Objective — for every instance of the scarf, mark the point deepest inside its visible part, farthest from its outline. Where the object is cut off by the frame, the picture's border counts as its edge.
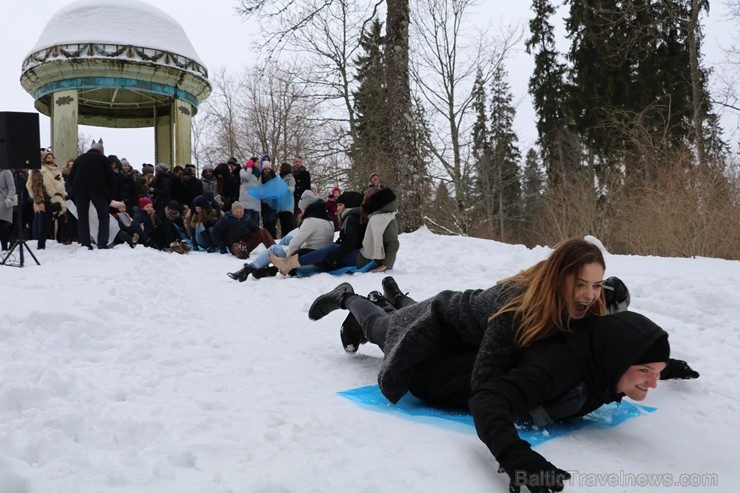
(372, 243)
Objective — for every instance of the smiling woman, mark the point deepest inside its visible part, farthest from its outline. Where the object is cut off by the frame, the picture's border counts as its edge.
(552, 379)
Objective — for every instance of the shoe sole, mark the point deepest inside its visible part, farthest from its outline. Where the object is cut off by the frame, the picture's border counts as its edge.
(348, 334)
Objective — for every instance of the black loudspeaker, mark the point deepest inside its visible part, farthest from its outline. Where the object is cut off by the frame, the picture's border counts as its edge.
(19, 140)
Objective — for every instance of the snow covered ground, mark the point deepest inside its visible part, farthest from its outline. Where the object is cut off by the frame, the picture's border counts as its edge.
(140, 371)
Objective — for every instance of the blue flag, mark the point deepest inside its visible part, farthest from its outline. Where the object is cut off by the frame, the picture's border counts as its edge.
(274, 193)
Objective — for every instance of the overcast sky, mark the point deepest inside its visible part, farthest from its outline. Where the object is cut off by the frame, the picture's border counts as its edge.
(221, 38)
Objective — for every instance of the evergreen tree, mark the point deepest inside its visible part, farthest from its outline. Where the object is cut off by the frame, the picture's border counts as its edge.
(502, 175)
(532, 189)
(630, 77)
(547, 88)
(371, 148)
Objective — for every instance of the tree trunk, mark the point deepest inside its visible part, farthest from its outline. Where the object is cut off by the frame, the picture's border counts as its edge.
(409, 165)
(692, 30)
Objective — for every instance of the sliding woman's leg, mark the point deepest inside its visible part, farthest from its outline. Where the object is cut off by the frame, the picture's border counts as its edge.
(373, 319)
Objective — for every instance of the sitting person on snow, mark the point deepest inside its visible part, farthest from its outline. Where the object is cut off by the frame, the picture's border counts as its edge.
(237, 233)
(200, 220)
(381, 234)
(155, 232)
(344, 251)
(316, 231)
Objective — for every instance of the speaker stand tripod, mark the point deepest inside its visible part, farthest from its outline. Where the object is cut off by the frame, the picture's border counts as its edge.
(19, 243)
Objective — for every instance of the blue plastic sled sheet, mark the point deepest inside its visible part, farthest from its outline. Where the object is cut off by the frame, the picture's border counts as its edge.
(410, 407)
(351, 269)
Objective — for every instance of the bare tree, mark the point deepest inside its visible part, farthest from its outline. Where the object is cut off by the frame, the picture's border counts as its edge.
(448, 54)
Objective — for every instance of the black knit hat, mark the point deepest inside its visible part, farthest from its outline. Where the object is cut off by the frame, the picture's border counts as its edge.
(659, 351)
(350, 199)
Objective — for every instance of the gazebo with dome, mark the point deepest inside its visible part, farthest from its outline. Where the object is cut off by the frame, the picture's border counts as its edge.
(117, 63)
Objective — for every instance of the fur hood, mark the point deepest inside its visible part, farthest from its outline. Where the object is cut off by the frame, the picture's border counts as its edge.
(381, 200)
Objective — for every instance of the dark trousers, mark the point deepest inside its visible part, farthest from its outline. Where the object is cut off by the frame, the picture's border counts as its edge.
(82, 201)
(372, 318)
(286, 222)
(261, 236)
(6, 234)
(443, 379)
(42, 225)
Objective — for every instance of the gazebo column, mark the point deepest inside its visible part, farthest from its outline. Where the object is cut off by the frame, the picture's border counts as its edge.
(163, 139)
(183, 112)
(64, 121)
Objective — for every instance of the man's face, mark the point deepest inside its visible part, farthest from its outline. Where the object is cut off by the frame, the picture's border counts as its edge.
(639, 379)
(238, 213)
(298, 162)
(375, 180)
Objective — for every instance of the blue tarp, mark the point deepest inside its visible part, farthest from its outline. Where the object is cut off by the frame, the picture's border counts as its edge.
(410, 407)
(274, 193)
(350, 269)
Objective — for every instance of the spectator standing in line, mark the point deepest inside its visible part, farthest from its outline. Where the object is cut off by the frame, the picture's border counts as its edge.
(92, 182)
(285, 216)
(302, 181)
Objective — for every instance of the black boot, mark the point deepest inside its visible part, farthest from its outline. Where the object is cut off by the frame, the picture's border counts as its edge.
(391, 291)
(328, 302)
(351, 334)
(269, 271)
(242, 274)
(381, 301)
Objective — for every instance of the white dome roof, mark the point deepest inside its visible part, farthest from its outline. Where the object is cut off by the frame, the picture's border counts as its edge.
(121, 22)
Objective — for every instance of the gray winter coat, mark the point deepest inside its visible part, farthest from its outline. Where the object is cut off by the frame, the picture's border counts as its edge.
(7, 191)
(446, 321)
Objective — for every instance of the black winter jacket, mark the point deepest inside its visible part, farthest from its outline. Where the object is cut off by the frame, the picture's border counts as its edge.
(596, 355)
(351, 233)
(91, 175)
(229, 230)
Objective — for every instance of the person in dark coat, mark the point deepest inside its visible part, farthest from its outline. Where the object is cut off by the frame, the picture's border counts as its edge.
(192, 186)
(237, 233)
(302, 181)
(154, 230)
(163, 187)
(92, 181)
(129, 189)
(200, 219)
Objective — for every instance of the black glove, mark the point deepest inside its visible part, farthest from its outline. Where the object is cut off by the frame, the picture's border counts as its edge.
(55, 208)
(616, 294)
(678, 370)
(527, 468)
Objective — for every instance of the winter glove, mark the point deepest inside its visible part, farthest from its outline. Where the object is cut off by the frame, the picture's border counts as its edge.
(616, 294)
(56, 208)
(678, 370)
(8, 202)
(527, 468)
